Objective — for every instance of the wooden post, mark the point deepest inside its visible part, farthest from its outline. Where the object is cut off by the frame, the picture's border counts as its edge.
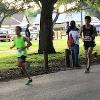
(66, 57)
(61, 35)
(57, 35)
(46, 60)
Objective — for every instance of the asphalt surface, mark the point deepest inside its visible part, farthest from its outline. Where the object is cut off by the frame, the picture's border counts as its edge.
(66, 85)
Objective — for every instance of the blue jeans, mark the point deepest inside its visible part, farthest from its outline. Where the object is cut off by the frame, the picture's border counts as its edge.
(75, 54)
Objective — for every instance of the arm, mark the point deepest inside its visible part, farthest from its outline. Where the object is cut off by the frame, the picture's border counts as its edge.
(68, 30)
(28, 43)
(12, 46)
(95, 32)
(81, 33)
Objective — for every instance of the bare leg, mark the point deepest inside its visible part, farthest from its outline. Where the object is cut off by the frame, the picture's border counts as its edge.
(89, 57)
(22, 65)
(86, 53)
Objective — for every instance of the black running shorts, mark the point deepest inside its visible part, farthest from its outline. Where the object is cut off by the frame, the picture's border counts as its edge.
(23, 58)
(88, 44)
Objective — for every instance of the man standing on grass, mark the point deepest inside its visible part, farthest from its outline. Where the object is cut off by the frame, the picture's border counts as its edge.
(19, 43)
(88, 33)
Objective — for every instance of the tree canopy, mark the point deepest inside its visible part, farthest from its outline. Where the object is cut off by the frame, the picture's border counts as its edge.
(10, 7)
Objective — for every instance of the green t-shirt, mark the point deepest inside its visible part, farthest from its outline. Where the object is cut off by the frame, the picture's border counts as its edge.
(20, 43)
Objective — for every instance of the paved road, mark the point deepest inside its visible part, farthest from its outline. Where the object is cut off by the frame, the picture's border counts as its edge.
(67, 85)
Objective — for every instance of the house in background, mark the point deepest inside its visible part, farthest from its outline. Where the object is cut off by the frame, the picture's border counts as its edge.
(62, 19)
(22, 20)
(15, 20)
(67, 17)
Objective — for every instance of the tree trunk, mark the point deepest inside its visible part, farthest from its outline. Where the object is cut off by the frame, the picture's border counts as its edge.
(2, 21)
(46, 27)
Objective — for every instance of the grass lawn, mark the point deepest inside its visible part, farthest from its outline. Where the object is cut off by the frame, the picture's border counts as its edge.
(8, 59)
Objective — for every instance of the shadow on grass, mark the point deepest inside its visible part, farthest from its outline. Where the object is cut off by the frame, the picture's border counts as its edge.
(56, 63)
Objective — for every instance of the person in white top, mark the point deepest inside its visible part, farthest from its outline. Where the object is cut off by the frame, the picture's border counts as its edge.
(75, 35)
(74, 32)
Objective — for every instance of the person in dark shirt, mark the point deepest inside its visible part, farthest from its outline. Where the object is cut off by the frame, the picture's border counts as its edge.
(27, 32)
(88, 33)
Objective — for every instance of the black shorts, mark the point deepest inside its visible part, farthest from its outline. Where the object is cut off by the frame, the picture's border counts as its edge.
(88, 44)
(23, 58)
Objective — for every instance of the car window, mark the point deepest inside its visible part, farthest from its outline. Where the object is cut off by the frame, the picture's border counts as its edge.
(98, 27)
(3, 32)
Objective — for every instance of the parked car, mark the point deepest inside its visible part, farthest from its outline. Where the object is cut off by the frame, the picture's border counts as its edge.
(98, 29)
(4, 36)
(34, 33)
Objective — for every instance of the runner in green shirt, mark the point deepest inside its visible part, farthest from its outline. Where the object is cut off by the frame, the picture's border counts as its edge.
(20, 44)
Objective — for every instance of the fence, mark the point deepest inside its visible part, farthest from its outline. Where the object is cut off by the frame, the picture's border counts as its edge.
(6, 37)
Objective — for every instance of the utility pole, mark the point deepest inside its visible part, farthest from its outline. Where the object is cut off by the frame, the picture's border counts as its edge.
(81, 12)
(81, 17)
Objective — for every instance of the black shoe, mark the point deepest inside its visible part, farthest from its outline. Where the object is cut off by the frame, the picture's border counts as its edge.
(29, 81)
(87, 70)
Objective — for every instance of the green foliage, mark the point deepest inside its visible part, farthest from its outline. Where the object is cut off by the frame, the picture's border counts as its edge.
(32, 13)
(94, 3)
(92, 7)
(3, 8)
(66, 1)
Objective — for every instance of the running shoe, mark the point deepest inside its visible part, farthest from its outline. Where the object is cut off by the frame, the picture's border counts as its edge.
(29, 81)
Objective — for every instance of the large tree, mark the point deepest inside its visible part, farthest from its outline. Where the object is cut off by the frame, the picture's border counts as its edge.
(46, 27)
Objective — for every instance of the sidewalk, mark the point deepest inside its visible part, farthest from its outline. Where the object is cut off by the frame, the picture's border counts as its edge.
(65, 85)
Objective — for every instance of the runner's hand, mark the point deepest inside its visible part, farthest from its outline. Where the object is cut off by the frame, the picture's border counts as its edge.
(11, 47)
(22, 49)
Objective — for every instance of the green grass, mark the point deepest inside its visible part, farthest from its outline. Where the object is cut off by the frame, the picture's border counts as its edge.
(6, 45)
(8, 59)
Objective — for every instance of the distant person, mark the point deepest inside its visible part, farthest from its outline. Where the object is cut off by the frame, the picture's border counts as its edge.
(20, 44)
(73, 32)
(88, 33)
(27, 32)
(67, 25)
(79, 26)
